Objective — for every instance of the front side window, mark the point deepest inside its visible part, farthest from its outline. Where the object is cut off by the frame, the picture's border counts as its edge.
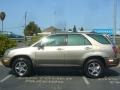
(76, 40)
(54, 40)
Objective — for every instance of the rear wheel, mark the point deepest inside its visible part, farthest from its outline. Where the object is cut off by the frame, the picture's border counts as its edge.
(22, 66)
(94, 68)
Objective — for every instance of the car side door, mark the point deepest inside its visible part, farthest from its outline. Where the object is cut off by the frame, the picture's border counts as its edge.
(52, 51)
(77, 46)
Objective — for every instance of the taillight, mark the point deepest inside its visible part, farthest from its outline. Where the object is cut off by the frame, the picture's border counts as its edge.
(114, 49)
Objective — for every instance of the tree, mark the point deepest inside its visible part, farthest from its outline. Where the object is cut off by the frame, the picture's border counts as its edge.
(70, 30)
(81, 29)
(74, 29)
(2, 17)
(32, 29)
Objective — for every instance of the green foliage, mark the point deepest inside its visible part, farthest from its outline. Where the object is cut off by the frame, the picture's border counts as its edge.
(74, 29)
(33, 39)
(32, 29)
(118, 48)
(81, 29)
(118, 41)
(6, 43)
(70, 30)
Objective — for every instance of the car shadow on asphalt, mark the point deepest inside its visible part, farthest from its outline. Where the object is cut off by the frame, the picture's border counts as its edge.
(58, 71)
(65, 71)
(112, 73)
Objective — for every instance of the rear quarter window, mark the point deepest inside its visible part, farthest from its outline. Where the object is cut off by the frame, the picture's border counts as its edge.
(100, 38)
(76, 40)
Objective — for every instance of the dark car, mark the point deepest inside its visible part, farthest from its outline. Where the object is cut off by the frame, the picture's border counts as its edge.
(13, 36)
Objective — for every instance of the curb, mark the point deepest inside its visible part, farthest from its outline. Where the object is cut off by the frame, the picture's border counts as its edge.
(0, 63)
(118, 65)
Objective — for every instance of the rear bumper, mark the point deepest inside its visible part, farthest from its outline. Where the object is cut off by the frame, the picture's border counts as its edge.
(111, 62)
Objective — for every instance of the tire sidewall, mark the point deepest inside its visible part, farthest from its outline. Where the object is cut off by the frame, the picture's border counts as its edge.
(94, 61)
(26, 61)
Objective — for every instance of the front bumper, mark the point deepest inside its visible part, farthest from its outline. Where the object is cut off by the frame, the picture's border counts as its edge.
(110, 62)
(6, 61)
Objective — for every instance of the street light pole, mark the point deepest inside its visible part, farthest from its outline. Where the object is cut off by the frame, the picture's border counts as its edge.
(114, 20)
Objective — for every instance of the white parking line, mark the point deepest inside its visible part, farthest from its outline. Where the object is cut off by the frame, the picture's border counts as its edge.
(5, 78)
(86, 80)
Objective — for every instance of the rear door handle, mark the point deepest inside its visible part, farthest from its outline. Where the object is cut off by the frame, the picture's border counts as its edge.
(88, 48)
(59, 49)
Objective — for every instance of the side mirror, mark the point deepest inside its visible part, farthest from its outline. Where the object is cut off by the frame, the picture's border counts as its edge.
(41, 46)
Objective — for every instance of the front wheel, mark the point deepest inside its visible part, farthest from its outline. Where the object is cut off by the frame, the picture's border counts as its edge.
(94, 68)
(22, 66)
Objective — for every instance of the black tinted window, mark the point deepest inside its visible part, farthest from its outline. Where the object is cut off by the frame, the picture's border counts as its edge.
(100, 38)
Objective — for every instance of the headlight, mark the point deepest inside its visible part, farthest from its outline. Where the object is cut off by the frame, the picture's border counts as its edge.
(6, 52)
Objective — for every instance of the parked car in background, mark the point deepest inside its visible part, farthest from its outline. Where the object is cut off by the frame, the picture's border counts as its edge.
(13, 36)
(90, 51)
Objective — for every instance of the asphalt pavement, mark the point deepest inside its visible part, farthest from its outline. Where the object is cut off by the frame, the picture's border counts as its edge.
(59, 79)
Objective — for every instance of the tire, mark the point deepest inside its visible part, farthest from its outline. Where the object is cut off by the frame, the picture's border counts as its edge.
(22, 66)
(94, 68)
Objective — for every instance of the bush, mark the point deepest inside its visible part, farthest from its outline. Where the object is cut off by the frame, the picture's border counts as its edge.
(6, 43)
(119, 49)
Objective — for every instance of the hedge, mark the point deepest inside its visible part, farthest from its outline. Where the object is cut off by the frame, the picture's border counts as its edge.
(6, 43)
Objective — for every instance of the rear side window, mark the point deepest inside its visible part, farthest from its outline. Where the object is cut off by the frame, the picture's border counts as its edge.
(100, 38)
(76, 40)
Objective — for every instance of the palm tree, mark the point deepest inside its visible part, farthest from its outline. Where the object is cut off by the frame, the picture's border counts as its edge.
(2, 17)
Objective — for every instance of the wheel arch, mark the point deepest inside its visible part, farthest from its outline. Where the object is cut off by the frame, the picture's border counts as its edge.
(24, 56)
(95, 57)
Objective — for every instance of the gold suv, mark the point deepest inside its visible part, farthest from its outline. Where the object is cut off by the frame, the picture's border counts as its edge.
(93, 52)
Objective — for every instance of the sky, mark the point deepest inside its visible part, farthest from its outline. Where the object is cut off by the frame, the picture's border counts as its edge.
(89, 14)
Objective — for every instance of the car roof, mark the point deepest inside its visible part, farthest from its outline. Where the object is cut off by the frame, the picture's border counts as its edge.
(66, 33)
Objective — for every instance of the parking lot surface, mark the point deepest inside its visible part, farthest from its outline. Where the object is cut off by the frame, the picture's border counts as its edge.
(59, 79)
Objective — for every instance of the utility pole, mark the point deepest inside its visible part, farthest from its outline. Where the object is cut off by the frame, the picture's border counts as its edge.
(114, 20)
(2, 26)
(25, 18)
(25, 26)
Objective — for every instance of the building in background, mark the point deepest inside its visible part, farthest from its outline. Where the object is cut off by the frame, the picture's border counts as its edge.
(103, 31)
